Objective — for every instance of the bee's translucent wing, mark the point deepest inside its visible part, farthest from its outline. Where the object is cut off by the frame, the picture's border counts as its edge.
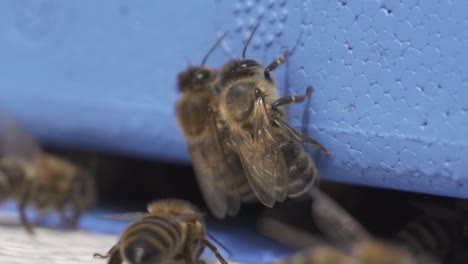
(15, 140)
(214, 174)
(333, 220)
(262, 158)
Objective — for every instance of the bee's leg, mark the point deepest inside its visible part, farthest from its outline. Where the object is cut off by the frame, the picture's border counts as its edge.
(277, 62)
(41, 217)
(77, 210)
(71, 222)
(115, 258)
(188, 259)
(76, 218)
(215, 250)
(23, 202)
(187, 255)
(292, 99)
(300, 137)
(113, 254)
(109, 253)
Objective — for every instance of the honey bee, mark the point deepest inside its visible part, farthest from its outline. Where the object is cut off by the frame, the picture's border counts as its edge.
(173, 231)
(217, 167)
(33, 177)
(361, 252)
(275, 164)
(424, 234)
(339, 226)
(439, 230)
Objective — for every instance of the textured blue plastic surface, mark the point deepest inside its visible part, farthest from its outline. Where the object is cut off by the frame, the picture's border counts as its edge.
(390, 77)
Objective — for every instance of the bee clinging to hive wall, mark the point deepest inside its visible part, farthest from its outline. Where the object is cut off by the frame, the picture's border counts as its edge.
(217, 167)
(275, 164)
(33, 177)
(173, 231)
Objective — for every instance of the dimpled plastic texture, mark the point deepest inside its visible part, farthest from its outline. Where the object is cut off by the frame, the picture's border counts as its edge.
(390, 77)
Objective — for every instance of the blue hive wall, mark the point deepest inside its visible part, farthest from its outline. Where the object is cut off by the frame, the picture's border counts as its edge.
(390, 77)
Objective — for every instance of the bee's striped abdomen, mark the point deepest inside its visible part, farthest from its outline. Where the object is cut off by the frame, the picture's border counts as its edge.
(301, 168)
(152, 239)
(425, 234)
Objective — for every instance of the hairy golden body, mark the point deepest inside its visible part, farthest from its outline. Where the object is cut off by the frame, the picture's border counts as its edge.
(273, 159)
(33, 177)
(173, 231)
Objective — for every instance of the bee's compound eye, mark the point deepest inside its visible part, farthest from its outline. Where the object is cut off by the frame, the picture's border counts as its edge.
(248, 63)
(258, 92)
(201, 75)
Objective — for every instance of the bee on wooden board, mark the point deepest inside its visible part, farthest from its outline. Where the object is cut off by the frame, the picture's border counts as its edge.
(173, 231)
(275, 164)
(217, 167)
(33, 177)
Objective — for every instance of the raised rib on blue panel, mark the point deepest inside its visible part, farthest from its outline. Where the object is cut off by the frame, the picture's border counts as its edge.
(390, 77)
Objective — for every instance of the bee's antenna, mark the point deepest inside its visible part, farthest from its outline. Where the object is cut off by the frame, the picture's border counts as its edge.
(213, 48)
(248, 40)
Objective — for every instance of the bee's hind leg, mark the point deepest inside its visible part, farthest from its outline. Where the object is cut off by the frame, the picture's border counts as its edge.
(275, 64)
(22, 203)
(65, 218)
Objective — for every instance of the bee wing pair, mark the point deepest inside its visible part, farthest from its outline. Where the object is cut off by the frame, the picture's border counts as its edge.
(262, 159)
(15, 140)
(214, 173)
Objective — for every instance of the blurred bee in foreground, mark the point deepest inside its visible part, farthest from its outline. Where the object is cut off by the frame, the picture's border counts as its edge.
(347, 242)
(31, 176)
(364, 252)
(275, 164)
(439, 230)
(217, 167)
(173, 231)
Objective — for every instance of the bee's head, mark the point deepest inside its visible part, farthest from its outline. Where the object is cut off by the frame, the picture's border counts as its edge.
(197, 79)
(240, 68)
(200, 78)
